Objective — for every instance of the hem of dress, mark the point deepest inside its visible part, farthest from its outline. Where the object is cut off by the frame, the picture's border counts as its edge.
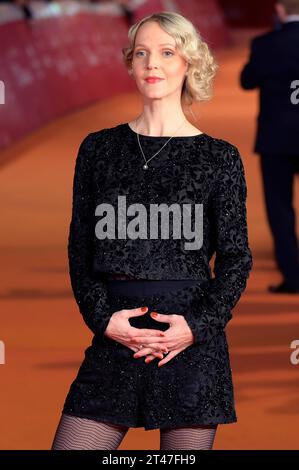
(105, 419)
(193, 423)
(148, 427)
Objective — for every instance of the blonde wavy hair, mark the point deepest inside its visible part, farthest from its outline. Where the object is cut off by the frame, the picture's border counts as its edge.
(197, 85)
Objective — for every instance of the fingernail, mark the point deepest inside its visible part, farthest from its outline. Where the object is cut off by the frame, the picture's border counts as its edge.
(154, 314)
(143, 309)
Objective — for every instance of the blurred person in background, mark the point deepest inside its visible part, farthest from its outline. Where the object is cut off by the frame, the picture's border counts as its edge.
(273, 68)
(25, 7)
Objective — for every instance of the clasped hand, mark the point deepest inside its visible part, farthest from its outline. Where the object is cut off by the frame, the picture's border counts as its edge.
(177, 338)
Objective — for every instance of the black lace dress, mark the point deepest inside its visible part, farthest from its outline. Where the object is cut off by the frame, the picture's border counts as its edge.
(195, 387)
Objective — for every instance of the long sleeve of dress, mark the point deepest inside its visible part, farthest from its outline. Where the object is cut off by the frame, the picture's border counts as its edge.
(90, 293)
(233, 260)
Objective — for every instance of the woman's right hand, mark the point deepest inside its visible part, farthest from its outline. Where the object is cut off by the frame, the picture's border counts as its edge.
(119, 329)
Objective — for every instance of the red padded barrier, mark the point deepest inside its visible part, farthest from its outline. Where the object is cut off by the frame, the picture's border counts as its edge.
(53, 65)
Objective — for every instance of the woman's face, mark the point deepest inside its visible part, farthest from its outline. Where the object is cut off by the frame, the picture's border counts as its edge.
(155, 54)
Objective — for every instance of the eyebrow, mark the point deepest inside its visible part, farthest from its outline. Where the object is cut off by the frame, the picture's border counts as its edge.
(163, 44)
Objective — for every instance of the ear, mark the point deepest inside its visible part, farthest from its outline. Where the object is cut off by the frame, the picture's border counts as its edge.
(130, 72)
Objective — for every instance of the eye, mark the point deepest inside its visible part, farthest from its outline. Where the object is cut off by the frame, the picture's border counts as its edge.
(170, 52)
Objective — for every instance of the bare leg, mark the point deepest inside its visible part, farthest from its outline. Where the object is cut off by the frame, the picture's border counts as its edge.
(86, 434)
(191, 437)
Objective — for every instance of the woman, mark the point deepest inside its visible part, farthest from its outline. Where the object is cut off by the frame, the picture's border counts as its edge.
(118, 266)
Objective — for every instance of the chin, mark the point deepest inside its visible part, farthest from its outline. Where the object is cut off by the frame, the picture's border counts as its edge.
(152, 95)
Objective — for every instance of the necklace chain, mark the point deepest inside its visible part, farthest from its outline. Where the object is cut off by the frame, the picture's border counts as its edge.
(145, 166)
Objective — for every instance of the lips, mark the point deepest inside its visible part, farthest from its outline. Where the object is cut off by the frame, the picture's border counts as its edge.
(153, 80)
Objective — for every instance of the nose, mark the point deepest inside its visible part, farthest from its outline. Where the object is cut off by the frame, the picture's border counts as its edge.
(151, 62)
(151, 67)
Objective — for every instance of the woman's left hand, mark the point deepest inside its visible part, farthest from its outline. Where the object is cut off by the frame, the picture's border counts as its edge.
(177, 338)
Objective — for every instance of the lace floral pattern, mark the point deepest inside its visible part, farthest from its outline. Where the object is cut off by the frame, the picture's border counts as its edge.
(196, 386)
(200, 168)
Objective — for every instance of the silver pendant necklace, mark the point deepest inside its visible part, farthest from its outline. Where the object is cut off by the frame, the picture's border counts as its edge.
(145, 166)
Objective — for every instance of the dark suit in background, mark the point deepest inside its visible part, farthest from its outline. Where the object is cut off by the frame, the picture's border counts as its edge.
(273, 66)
